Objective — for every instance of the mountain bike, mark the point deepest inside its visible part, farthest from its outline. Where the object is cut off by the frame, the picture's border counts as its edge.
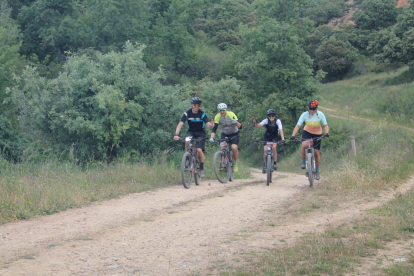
(223, 161)
(269, 159)
(190, 165)
(310, 158)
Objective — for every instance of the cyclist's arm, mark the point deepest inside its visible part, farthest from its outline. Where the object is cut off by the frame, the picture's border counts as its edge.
(299, 123)
(282, 134)
(207, 122)
(326, 127)
(179, 126)
(295, 130)
(262, 123)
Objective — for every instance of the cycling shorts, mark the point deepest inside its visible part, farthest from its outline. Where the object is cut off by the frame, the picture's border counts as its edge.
(198, 134)
(316, 143)
(234, 138)
(271, 137)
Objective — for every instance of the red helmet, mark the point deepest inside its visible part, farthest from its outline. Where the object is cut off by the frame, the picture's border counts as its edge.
(313, 104)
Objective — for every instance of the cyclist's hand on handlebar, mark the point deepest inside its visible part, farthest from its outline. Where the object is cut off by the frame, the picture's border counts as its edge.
(282, 142)
(176, 137)
(326, 135)
(293, 138)
(212, 140)
(233, 121)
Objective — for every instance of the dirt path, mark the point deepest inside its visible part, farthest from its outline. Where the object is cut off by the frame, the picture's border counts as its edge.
(172, 231)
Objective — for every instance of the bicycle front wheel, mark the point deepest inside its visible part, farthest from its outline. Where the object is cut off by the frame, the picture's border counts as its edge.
(221, 167)
(311, 177)
(186, 170)
(269, 170)
(197, 178)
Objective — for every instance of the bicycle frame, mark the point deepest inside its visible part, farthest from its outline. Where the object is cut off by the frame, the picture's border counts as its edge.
(189, 162)
(193, 151)
(310, 159)
(223, 161)
(225, 147)
(310, 150)
(269, 158)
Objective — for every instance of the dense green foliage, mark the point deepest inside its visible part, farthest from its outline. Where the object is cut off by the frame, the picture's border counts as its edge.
(100, 79)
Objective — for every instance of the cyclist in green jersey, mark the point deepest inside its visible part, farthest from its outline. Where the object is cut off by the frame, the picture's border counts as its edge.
(229, 128)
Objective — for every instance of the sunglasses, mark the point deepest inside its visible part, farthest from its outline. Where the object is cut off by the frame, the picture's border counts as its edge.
(272, 115)
(197, 105)
(312, 108)
(222, 110)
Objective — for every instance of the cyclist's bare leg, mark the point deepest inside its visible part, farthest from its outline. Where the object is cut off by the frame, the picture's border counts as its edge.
(234, 149)
(317, 158)
(302, 151)
(274, 152)
(200, 155)
(264, 154)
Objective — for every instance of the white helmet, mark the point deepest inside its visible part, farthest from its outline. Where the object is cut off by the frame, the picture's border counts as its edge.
(222, 106)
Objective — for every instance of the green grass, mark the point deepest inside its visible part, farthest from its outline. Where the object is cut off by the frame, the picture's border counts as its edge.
(28, 190)
(370, 96)
(385, 160)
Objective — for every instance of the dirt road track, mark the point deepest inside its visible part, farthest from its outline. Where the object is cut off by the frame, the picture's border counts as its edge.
(172, 231)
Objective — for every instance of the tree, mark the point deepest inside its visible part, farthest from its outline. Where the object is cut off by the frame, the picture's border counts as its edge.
(10, 60)
(376, 14)
(40, 23)
(273, 65)
(53, 27)
(104, 106)
(335, 57)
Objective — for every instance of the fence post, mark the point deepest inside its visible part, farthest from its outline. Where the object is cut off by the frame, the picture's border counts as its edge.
(353, 145)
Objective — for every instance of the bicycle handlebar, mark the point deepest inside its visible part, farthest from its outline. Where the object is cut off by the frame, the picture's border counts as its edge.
(191, 139)
(314, 139)
(265, 142)
(225, 139)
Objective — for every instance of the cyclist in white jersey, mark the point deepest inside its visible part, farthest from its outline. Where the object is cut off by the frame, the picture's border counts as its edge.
(314, 120)
(273, 128)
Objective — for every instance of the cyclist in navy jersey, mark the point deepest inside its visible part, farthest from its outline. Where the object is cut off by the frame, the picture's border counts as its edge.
(197, 120)
(273, 127)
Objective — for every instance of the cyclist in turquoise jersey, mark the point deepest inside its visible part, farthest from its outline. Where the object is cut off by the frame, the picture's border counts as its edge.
(229, 128)
(197, 120)
(314, 120)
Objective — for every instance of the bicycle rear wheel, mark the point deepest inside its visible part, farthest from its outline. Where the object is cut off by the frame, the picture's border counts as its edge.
(231, 174)
(269, 171)
(197, 178)
(186, 170)
(221, 167)
(311, 175)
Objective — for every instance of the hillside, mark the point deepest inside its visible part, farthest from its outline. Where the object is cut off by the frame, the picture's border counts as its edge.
(346, 19)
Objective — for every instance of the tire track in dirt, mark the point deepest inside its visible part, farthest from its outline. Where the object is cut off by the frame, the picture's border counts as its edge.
(171, 231)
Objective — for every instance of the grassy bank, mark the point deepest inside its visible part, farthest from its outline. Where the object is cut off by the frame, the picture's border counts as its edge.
(28, 190)
(384, 160)
(372, 95)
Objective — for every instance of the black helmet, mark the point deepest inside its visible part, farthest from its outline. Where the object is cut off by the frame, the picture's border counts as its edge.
(196, 100)
(271, 111)
(313, 104)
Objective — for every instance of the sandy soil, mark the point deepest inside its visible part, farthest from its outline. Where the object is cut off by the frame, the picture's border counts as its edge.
(171, 231)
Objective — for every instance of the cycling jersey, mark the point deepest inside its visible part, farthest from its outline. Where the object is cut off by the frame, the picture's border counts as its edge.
(272, 129)
(196, 121)
(227, 127)
(313, 123)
